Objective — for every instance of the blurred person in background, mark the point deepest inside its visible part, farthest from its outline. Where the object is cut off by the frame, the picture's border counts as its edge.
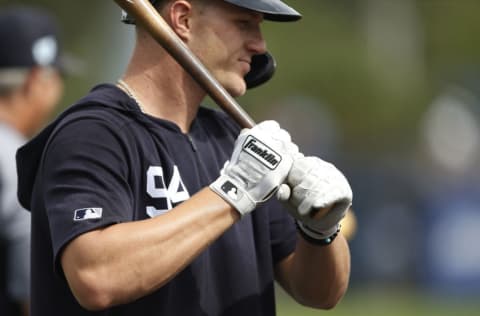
(31, 85)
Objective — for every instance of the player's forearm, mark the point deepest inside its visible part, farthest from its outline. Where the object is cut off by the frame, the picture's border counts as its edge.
(124, 262)
(319, 275)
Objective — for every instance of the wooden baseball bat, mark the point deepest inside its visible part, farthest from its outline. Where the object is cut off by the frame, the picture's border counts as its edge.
(147, 16)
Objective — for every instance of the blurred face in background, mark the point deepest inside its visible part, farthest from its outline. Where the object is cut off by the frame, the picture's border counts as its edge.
(44, 91)
(30, 97)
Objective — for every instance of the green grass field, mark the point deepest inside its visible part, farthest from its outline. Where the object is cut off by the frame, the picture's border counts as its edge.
(366, 302)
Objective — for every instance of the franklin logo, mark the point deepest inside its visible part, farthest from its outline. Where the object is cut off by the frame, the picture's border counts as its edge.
(261, 152)
(87, 213)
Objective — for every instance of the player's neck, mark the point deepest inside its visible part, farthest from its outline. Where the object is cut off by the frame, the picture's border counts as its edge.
(165, 91)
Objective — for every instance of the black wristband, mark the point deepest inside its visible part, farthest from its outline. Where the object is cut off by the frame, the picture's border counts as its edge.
(318, 242)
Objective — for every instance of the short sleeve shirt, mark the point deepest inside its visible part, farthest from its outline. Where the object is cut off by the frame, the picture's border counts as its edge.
(108, 163)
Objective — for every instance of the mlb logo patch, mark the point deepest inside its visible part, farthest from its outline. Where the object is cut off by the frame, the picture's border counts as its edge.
(231, 190)
(87, 213)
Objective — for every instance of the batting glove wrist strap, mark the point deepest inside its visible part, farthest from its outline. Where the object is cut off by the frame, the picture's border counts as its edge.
(234, 194)
(315, 237)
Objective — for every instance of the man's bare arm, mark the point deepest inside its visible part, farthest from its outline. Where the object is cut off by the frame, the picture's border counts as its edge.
(316, 276)
(123, 262)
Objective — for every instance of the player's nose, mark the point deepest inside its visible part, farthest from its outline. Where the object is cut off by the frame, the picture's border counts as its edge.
(257, 43)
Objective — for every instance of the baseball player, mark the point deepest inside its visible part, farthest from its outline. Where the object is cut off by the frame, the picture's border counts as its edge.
(145, 203)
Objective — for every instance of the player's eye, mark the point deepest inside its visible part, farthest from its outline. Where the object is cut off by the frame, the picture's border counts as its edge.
(244, 24)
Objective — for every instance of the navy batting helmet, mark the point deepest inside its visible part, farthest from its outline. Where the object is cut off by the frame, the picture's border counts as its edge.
(274, 10)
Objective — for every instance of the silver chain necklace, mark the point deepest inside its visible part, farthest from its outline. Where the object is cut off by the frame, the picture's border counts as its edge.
(125, 87)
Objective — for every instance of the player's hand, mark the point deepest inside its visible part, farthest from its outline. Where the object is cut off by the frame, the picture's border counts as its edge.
(316, 186)
(261, 160)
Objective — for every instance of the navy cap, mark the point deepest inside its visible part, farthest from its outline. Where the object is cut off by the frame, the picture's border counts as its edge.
(273, 10)
(28, 37)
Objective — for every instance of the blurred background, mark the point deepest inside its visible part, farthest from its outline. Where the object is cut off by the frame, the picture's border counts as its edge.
(389, 91)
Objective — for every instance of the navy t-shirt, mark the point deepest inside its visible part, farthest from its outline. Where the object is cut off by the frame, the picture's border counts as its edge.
(104, 162)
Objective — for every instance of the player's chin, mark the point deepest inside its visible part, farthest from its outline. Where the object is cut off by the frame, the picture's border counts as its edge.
(237, 88)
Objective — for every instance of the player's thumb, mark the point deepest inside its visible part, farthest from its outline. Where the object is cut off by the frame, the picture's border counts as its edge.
(283, 192)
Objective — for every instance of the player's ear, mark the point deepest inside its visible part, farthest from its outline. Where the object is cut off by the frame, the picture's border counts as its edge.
(179, 14)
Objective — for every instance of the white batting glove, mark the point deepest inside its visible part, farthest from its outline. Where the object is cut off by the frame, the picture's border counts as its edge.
(316, 184)
(261, 160)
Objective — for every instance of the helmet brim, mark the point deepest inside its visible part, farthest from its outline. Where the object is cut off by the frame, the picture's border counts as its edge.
(273, 10)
